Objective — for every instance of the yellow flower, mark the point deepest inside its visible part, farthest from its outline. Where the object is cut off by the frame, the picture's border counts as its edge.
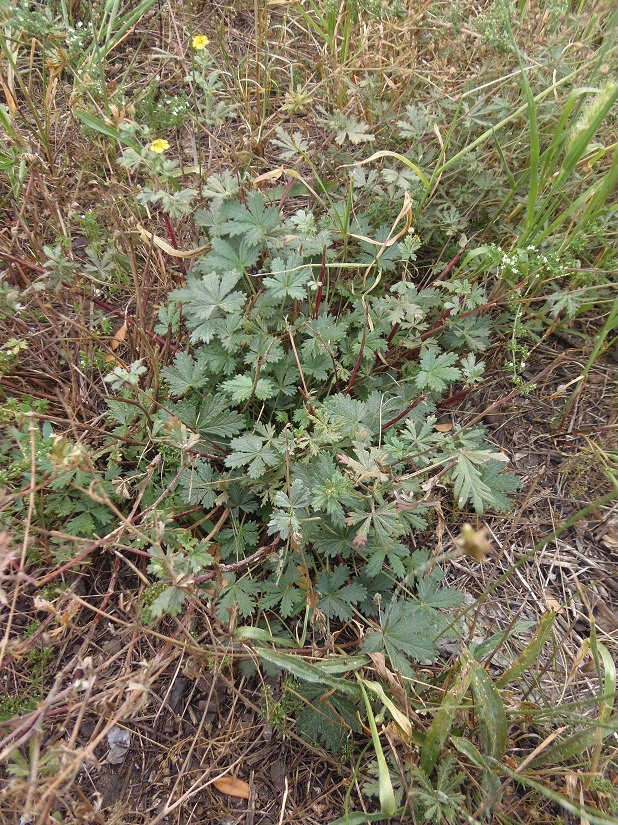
(159, 146)
(199, 42)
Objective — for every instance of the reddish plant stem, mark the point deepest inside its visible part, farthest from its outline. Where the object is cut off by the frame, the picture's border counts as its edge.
(403, 414)
(449, 267)
(453, 399)
(14, 259)
(30, 391)
(172, 234)
(393, 332)
(360, 355)
(187, 512)
(286, 192)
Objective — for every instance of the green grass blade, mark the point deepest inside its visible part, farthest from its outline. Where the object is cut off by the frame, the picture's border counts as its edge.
(530, 653)
(387, 794)
(590, 202)
(490, 711)
(577, 743)
(104, 128)
(584, 812)
(307, 671)
(533, 129)
(440, 727)
(358, 817)
(398, 715)
(126, 22)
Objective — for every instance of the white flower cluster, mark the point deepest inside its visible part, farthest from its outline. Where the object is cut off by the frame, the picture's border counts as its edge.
(78, 36)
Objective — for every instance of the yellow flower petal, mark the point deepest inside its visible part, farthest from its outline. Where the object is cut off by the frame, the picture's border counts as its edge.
(200, 41)
(159, 146)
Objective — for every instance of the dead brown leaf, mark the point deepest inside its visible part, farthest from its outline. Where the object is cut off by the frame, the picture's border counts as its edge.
(232, 786)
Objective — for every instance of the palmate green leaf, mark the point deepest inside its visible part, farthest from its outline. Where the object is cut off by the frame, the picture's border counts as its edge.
(331, 540)
(298, 498)
(90, 517)
(226, 255)
(238, 541)
(239, 596)
(406, 632)
(330, 489)
(350, 416)
(254, 452)
(216, 420)
(289, 511)
(169, 602)
(325, 332)
(284, 593)
(211, 416)
(384, 518)
(289, 278)
(220, 185)
(175, 205)
(327, 718)
(241, 387)
(432, 594)
(416, 442)
(207, 299)
(350, 128)
(337, 596)
(371, 342)
(378, 554)
(168, 319)
(255, 221)
(186, 373)
(469, 485)
(436, 371)
(389, 255)
(471, 332)
(317, 365)
(500, 482)
(264, 349)
(286, 379)
(196, 484)
(416, 123)
(369, 463)
(490, 711)
(472, 369)
(479, 477)
(290, 144)
(219, 361)
(286, 523)
(440, 800)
